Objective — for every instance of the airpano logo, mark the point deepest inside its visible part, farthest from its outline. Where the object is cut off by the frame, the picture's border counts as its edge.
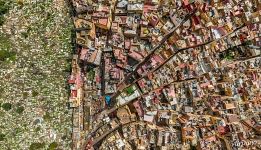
(244, 143)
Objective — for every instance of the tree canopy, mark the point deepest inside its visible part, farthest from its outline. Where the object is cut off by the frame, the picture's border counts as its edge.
(7, 106)
(4, 8)
(47, 116)
(4, 54)
(35, 146)
(34, 93)
(20, 109)
(53, 146)
(2, 136)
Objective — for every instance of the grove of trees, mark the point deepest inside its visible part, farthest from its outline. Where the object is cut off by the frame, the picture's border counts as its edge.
(4, 7)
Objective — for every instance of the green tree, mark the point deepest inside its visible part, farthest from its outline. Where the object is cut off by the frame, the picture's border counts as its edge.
(34, 93)
(7, 106)
(2, 20)
(20, 3)
(36, 146)
(4, 54)
(68, 68)
(53, 146)
(4, 7)
(91, 74)
(47, 116)
(20, 109)
(37, 129)
(25, 95)
(229, 56)
(2, 136)
(5, 42)
(25, 34)
(64, 137)
(130, 90)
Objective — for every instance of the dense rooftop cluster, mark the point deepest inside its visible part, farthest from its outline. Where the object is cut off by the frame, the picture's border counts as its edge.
(158, 74)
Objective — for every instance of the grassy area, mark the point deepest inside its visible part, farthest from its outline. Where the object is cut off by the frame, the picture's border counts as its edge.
(129, 90)
(34, 48)
(7, 55)
(91, 74)
(5, 42)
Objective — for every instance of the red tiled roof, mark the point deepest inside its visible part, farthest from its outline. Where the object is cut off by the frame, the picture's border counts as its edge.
(79, 80)
(123, 19)
(83, 53)
(138, 108)
(71, 80)
(103, 21)
(148, 8)
(73, 93)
